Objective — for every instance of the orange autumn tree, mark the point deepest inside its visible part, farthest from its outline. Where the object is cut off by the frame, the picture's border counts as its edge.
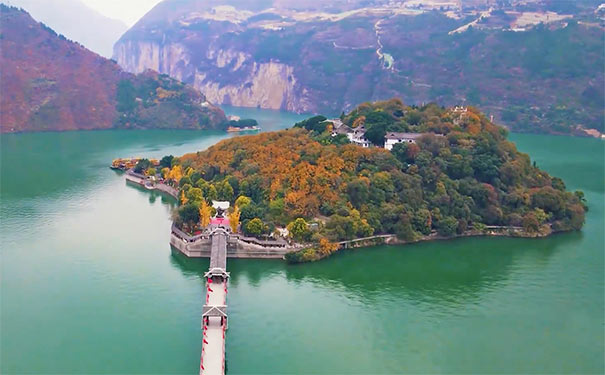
(234, 219)
(205, 214)
(326, 247)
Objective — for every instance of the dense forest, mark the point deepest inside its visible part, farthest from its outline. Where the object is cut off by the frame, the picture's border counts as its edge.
(461, 175)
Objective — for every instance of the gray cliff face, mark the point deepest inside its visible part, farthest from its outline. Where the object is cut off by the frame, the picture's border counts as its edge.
(268, 84)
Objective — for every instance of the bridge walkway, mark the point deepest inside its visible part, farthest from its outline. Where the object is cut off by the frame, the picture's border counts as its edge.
(214, 315)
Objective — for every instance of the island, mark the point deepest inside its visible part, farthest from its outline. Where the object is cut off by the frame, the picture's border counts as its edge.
(383, 173)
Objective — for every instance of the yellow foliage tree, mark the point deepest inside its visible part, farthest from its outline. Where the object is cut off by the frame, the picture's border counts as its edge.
(176, 173)
(184, 199)
(234, 219)
(165, 172)
(326, 247)
(205, 214)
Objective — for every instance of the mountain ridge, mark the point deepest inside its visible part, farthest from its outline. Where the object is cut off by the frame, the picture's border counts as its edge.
(50, 83)
(322, 62)
(75, 20)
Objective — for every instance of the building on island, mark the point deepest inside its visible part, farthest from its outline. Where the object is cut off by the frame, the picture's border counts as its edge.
(336, 122)
(357, 136)
(392, 138)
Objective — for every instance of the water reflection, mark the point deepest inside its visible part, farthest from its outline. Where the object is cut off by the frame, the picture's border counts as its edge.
(154, 194)
(191, 267)
(456, 272)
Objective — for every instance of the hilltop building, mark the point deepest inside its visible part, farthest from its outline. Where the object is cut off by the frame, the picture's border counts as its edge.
(392, 138)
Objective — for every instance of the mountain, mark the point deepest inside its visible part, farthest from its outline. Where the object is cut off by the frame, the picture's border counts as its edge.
(536, 66)
(51, 83)
(76, 21)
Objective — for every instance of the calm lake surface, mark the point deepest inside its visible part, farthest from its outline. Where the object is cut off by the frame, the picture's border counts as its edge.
(89, 283)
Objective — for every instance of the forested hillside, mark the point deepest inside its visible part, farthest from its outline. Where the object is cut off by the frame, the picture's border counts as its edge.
(51, 83)
(461, 174)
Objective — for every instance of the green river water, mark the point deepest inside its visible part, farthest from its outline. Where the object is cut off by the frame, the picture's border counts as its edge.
(89, 283)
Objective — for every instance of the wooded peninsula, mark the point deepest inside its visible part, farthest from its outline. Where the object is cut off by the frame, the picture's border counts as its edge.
(454, 174)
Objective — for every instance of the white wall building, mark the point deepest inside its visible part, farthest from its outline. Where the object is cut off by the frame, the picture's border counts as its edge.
(392, 138)
(358, 137)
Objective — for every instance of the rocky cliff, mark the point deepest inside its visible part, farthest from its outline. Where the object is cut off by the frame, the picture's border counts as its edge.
(534, 67)
(51, 83)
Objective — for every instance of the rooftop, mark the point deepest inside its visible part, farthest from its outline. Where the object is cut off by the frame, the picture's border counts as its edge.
(399, 136)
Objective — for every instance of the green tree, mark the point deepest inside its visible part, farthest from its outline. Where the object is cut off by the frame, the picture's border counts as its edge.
(242, 201)
(298, 229)
(447, 226)
(195, 196)
(224, 191)
(142, 165)
(166, 161)
(189, 214)
(422, 221)
(212, 194)
(255, 227)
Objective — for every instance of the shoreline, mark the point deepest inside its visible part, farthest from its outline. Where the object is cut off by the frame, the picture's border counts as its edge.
(313, 254)
(243, 247)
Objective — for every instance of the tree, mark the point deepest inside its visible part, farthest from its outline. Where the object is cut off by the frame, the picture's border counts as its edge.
(400, 151)
(376, 134)
(404, 229)
(255, 227)
(176, 173)
(205, 212)
(298, 229)
(234, 219)
(150, 171)
(184, 199)
(422, 221)
(242, 201)
(326, 247)
(189, 214)
(530, 222)
(166, 161)
(142, 165)
(165, 172)
(447, 226)
(224, 191)
(212, 193)
(194, 195)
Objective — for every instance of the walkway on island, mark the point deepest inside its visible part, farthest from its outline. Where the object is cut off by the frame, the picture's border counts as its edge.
(214, 315)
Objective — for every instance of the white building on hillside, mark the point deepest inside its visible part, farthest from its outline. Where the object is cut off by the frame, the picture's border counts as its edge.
(358, 137)
(392, 138)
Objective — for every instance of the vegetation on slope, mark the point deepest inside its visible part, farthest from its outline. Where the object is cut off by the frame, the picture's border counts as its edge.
(470, 178)
(51, 83)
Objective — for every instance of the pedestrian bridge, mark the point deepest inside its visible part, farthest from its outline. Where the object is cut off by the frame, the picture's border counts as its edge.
(214, 313)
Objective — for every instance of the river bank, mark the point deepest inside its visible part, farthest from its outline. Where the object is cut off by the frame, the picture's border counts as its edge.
(312, 254)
